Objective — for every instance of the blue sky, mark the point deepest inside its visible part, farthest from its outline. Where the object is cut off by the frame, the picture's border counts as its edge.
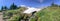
(33, 3)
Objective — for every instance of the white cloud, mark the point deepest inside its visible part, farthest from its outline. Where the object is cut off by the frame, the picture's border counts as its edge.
(23, 5)
(41, 1)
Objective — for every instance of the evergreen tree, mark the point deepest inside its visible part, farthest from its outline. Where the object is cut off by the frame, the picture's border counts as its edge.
(59, 6)
(5, 8)
(13, 6)
(53, 4)
(2, 8)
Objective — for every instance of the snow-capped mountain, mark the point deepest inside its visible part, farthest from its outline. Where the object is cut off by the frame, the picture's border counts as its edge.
(30, 9)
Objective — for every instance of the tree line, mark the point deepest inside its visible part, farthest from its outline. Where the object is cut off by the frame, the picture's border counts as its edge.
(12, 7)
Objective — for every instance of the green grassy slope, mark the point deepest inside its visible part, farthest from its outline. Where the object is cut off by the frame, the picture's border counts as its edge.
(49, 14)
(14, 15)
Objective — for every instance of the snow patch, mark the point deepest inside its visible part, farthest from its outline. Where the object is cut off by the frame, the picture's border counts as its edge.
(30, 10)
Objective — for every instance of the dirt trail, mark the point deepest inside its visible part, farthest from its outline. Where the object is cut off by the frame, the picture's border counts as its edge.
(1, 16)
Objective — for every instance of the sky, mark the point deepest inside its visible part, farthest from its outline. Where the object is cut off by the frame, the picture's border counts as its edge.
(32, 3)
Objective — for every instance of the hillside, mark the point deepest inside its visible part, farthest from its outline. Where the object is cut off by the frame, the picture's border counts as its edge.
(14, 15)
(51, 13)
